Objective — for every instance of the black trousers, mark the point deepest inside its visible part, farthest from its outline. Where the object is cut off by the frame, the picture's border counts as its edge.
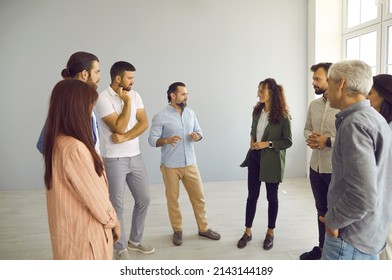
(320, 184)
(254, 185)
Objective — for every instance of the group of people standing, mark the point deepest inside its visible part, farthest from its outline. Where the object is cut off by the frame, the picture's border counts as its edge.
(85, 189)
(349, 132)
(351, 161)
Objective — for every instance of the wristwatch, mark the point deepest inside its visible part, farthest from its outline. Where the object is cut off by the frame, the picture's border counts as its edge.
(270, 144)
(328, 143)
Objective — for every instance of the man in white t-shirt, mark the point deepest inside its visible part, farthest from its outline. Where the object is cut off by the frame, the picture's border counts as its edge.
(123, 119)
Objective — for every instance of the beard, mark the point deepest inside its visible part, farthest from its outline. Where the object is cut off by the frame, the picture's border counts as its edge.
(182, 105)
(126, 88)
(92, 84)
(319, 91)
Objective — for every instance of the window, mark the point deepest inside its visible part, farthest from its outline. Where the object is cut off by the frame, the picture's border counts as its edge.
(363, 33)
(360, 11)
(363, 46)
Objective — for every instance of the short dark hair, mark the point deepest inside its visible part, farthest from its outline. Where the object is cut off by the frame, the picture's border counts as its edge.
(173, 88)
(324, 65)
(119, 68)
(78, 62)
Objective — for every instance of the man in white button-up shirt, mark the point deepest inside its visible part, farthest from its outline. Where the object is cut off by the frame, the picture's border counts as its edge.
(320, 134)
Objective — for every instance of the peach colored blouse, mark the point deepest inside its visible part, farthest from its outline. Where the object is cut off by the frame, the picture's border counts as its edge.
(80, 214)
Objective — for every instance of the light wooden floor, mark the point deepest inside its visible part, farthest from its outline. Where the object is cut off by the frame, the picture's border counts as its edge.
(24, 231)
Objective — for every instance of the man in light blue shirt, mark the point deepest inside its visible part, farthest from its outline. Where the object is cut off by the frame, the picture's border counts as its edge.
(175, 129)
(85, 67)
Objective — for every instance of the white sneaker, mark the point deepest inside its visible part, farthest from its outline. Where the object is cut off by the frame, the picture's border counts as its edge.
(122, 255)
(145, 249)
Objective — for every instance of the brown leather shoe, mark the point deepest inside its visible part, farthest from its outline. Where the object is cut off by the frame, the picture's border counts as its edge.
(268, 242)
(210, 234)
(243, 241)
(177, 238)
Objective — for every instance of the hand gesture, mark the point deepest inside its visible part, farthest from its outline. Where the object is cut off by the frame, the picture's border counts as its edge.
(195, 136)
(173, 140)
(118, 138)
(317, 140)
(123, 94)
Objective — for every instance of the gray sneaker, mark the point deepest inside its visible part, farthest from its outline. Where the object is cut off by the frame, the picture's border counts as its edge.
(145, 249)
(177, 238)
(122, 255)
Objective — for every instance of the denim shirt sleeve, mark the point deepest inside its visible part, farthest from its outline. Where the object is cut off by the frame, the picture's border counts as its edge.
(41, 140)
(355, 176)
(196, 127)
(155, 131)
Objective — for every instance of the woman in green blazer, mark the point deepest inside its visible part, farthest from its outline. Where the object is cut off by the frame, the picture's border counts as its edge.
(270, 137)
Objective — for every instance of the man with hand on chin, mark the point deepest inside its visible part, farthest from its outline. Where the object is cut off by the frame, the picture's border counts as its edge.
(175, 129)
(123, 119)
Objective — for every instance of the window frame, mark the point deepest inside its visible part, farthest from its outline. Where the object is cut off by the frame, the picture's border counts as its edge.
(379, 24)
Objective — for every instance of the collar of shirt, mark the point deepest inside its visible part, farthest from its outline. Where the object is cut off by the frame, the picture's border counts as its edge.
(111, 91)
(350, 109)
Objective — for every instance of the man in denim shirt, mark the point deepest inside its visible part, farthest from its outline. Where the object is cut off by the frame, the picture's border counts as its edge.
(359, 196)
(175, 129)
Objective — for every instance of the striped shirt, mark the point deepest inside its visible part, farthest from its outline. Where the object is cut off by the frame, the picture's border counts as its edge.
(80, 214)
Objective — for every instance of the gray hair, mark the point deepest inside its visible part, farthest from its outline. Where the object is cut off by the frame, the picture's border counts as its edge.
(358, 76)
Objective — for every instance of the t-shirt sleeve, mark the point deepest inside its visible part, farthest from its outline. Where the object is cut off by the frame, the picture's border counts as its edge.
(103, 107)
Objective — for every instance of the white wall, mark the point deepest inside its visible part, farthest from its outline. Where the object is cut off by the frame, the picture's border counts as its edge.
(324, 39)
(221, 49)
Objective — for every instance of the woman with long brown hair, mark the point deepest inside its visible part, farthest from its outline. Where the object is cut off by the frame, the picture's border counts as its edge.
(270, 137)
(81, 217)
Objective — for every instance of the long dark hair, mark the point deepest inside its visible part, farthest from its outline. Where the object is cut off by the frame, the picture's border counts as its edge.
(69, 114)
(382, 83)
(78, 62)
(279, 109)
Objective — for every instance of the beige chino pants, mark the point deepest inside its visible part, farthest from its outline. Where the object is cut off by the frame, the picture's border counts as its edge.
(191, 180)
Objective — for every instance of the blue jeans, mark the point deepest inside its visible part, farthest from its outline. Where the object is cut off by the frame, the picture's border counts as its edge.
(338, 249)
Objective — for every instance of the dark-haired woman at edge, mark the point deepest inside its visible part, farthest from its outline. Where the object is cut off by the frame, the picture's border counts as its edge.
(270, 137)
(82, 221)
(380, 97)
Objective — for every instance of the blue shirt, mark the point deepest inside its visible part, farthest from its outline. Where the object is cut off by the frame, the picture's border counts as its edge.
(359, 195)
(168, 123)
(94, 126)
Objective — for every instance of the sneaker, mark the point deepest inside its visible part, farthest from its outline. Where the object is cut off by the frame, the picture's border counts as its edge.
(210, 234)
(177, 238)
(315, 254)
(244, 240)
(145, 249)
(121, 255)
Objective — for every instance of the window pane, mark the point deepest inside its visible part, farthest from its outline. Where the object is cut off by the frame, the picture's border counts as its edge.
(363, 47)
(390, 6)
(389, 70)
(368, 10)
(353, 13)
(368, 48)
(389, 46)
(360, 11)
(352, 48)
